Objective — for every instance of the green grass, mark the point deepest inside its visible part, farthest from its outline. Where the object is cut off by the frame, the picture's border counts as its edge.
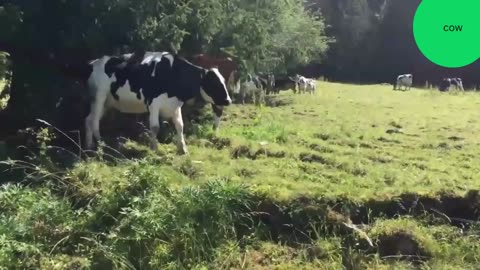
(349, 153)
(345, 129)
(3, 101)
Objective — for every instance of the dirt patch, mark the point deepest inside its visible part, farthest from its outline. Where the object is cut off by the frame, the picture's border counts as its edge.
(444, 145)
(220, 143)
(291, 223)
(395, 125)
(456, 138)
(246, 173)
(394, 131)
(309, 157)
(240, 151)
(420, 166)
(320, 148)
(401, 245)
(322, 136)
(367, 146)
(247, 152)
(268, 153)
(202, 143)
(385, 140)
(271, 101)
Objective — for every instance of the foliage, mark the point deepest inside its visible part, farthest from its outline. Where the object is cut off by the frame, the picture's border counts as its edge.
(47, 40)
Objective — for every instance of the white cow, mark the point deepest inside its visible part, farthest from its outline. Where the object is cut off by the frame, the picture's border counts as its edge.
(311, 86)
(404, 80)
(252, 88)
(305, 84)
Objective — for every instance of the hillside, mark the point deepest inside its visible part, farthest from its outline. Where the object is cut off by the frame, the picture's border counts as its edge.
(304, 182)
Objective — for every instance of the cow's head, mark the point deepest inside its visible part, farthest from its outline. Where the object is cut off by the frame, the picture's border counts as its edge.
(214, 89)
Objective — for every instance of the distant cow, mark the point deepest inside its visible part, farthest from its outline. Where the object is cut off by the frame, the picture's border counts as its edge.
(268, 83)
(446, 83)
(311, 86)
(305, 84)
(284, 83)
(155, 82)
(405, 80)
(253, 88)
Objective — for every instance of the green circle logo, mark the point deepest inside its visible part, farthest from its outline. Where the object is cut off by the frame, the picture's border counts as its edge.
(448, 32)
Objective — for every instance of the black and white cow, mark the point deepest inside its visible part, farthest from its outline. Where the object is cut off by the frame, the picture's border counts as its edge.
(155, 82)
(446, 83)
(405, 80)
(305, 84)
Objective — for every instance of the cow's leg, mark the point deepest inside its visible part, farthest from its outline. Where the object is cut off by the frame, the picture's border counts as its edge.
(154, 125)
(92, 122)
(242, 94)
(218, 111)
(178, 122)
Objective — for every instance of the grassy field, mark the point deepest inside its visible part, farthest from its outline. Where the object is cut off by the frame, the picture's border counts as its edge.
(355, 177)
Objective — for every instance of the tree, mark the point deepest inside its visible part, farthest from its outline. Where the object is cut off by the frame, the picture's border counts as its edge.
(51, 40)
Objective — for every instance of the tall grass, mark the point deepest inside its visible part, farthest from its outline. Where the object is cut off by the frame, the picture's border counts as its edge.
(350, 154)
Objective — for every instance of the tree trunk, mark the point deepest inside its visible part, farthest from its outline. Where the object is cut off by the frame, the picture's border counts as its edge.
(34, 90)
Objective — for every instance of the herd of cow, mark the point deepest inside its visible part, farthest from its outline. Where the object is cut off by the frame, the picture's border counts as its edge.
(160, 83)
(259, 85)
(406, 81)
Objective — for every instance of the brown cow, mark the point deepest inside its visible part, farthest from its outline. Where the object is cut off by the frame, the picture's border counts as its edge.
(227, 67)
(229, 70)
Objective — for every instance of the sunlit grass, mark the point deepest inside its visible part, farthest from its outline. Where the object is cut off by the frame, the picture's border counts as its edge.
(4, 100)
(348, 144)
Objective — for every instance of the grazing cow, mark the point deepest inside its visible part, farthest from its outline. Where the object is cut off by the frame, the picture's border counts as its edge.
(304, 84)
(252, 87)
(284, 83)
(311, 86)
(403, 80)
(268, 83)
(446, 83)
(155, 82)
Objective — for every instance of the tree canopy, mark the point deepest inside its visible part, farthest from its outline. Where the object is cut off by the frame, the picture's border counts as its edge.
(346, 40)
(46, 38)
